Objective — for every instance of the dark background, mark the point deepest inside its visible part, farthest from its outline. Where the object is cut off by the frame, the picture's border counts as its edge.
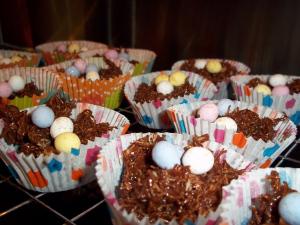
(264, 34)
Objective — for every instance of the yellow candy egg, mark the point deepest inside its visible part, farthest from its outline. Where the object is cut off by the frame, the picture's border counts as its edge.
(73, 48)
(160, 78)
(263, 89)
(214, 66)
(66, 141)
(177, 78)
(15, 59)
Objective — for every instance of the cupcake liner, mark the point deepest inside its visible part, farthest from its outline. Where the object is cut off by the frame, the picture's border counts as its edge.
(236, 206)
(53, 173)
(290, 104)
(48, 48)
(104, 92)
(47, 81)
(31, 60)
(222, 91)
(153, 114)
(110, 165)
(257, 151)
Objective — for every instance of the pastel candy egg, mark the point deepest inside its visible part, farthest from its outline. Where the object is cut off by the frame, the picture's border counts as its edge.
(200, 64)
(84, 49)
(15, 59)
(214, 66)
(227, 123)
(73, 71)
(6, 61)
(263, 89)
(92, 76)
(208, 112)
(111, 54)
(62, 48)
(177, 78)
(200, 160)
(160, 78)
(42, 116)
(280, 90)
(66, 141)
(80, 64)
(73, 48)
(91, 67)
(277, 80)
(289, 208)
(164, 87)
(61, 125)
(16, 82)
(124, 56)
(224, 105)
(166, 155)
(5, 90)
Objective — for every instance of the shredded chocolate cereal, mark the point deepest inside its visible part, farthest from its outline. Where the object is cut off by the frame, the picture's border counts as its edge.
(294, 86)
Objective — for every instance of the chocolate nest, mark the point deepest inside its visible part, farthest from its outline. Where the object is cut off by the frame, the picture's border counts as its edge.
(148, 190)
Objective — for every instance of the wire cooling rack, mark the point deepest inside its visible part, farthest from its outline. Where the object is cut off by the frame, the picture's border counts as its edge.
(84, 205)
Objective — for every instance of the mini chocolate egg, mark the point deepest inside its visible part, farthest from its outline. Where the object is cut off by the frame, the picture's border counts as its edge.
(161, 77)
(61, 125)
(16, 82)
(84, 49)
(227, 122)
(124, 56)
(92, 76)
(214, 66)
(263, 89)
(178, 78)
(277, 80)
(166, 155)
(280, 90)
(73, 48)
(200, 160)
(80, 64)
(15, 59)
(208, 112)
(224, 105)
(164, 87)
(73, 71)
(200, 64)
(5, 90)
(42, 116)
(91, 67)
(66, 141)
(5, 61)
(289, 208)
(61, 48)
(111, 54)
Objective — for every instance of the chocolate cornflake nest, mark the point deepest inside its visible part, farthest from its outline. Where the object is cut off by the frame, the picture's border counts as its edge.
(148, 190)
(63, 56)
(111, 71)
(256, 81)
(148, 93)
(294, 86)
(227, 71)
(61, 107)
(265, 207)
(29, 90)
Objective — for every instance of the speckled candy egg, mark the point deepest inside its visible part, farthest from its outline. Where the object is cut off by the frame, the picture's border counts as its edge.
(80, 64)
(227, 122)
(66, 141)
(166, 155)
(277, 80)
(263, 89)
(93, 76)
(178, 78)
(73, 48)
(16, 82)
(200, 63)
(73, 71)
(111, 54)
(124, 56)
(208, 112)
(61, 125)
(91, 67)
(42, 116)
(164, 87)
(289, 208)
(280, 90)
(5, 90)
(214, 66)
(62, 48)
(224, 105)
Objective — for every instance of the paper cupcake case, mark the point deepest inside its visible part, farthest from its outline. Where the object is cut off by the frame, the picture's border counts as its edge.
(290, 104)
(257, 151)
(48, 48)
(64, 171)
(104, 92)
(31, 59)
(236, 206)
(110, 165)
(47, 81)
(153, 114)
(222, 91)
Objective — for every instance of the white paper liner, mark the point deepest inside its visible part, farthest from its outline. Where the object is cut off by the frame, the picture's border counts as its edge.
(236, 206)
(257, 151)
(32, 58)
(110, 164)
(222, 91)
(153, 114)
(64, 171)
(290, 104)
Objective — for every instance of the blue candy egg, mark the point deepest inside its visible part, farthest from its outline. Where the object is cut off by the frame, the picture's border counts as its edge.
(73, 71)
(124, 56)
(91, 67)
(289, 208)
(166, 155)
(42, 116)
(224, 105)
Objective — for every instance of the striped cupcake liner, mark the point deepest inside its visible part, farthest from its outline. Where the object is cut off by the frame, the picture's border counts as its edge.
(257, 151)
(53, 173)
(31, 59)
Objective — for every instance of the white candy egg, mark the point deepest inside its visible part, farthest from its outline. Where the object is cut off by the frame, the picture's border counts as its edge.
(227, 122)
(164, 87)
(200, 64)
(278, 80)
(61, 125)
(92, 75)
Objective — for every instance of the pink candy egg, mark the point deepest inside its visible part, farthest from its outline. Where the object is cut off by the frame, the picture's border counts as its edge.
(111, 54)
(5, 90)
(280, 90)
(80, 64)
(208, 112)
(62, 48)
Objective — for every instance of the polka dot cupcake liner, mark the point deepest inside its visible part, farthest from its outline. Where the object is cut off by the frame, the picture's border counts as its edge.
(47, 81)
(153, 114)
(110, 165)
(257, 151)
(31, 59)
(290, 104)
(60, 172)
(104, 92)
(222, 91)
(236, 206)
(47, 50)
